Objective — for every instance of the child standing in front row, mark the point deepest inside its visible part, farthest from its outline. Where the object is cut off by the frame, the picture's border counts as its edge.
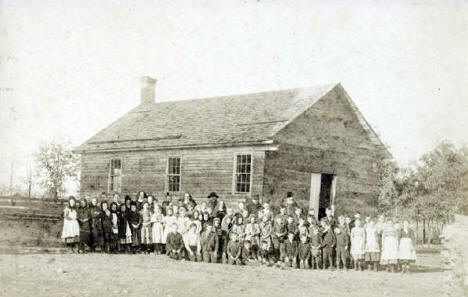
(328, 243)
(145, 228)
(315, 248)
(342, 242)
(134, 222)
(358, 245)
(304, 253)
(406, 251)
(157, 232)
(372, 247)
(389, 256)
(234, 250)
(290, 251)
(175, 243)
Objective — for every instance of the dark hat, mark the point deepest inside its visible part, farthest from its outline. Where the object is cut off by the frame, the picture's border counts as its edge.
(213, 194)
(290, 194)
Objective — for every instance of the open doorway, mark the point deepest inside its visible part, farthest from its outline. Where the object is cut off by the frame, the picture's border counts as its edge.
(322, 191)
(325, 194)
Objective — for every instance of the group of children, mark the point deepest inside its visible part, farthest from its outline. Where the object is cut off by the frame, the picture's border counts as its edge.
(252, 234)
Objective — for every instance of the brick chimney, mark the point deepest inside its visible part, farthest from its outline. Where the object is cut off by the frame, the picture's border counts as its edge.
(148, 86)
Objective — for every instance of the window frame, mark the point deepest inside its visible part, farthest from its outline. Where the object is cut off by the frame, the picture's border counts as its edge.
(111, 176)
(235, 174)
(168, 175)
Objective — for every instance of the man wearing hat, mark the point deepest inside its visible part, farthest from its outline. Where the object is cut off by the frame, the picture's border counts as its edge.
(254, 206)
(213, 200)
(290, 204)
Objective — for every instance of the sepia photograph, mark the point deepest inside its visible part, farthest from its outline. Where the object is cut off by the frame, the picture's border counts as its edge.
(234, 148)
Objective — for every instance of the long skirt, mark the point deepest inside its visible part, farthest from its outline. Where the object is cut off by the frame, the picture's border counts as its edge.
(71, 231)
(372, 257)
(145, 235)
(406, 251)
(357, 249)
(85, 237)
(127, 239)
(157, 233)
(136, 235)
(389, 251)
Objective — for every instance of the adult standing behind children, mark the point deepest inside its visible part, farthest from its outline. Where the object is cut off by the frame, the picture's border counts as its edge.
(213, 200)
(290, 204)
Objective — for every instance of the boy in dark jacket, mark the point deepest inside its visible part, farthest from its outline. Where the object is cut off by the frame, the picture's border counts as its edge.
(222, 240)
(304, 253)
(234, 250)
(342, 242)
(291, 251)
(175, 244)
(210, 244)
(277, 238)
(328, 243)
(315, 248)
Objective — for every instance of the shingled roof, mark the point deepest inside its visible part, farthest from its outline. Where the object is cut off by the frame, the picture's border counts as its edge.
(236, 119)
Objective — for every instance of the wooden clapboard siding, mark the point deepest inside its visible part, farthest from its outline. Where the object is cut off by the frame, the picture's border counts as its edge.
(202, 171)
(327, 138)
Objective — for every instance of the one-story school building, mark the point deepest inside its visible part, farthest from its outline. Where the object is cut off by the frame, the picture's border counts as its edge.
(313, 142)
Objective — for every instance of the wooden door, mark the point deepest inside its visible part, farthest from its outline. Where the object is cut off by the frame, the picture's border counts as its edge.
(315, 185)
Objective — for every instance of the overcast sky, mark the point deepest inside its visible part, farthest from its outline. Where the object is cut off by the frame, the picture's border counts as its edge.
(69, 68)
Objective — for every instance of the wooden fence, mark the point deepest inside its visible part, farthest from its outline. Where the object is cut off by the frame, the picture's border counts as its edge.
(45, 209)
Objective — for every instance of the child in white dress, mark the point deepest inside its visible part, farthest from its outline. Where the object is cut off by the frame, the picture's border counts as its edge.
(157, 232)
(389, 256)
(358, 244)
(372, 249)
(71, 228)
(406, 252)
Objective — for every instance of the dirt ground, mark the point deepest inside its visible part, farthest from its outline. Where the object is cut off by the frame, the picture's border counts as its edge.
(150, 275)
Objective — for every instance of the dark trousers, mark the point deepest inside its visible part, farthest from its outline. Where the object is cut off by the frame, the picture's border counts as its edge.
(341, 255)
(327, 257)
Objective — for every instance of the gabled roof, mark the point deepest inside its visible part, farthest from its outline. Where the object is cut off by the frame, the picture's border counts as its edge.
(236, 119)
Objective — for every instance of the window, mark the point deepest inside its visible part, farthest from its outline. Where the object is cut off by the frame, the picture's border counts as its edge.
(243, 171)
(115, 176)
(173, 174)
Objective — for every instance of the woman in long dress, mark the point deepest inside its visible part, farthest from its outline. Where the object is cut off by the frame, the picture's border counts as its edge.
(71, 228)
(106, 219)
(372, 249)
(84, 219)
(97, 238)
(389, 256)
(125, 234)
(406, 252)
(145, 214)
(134, 222)
(157, 232)
(358, 240)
